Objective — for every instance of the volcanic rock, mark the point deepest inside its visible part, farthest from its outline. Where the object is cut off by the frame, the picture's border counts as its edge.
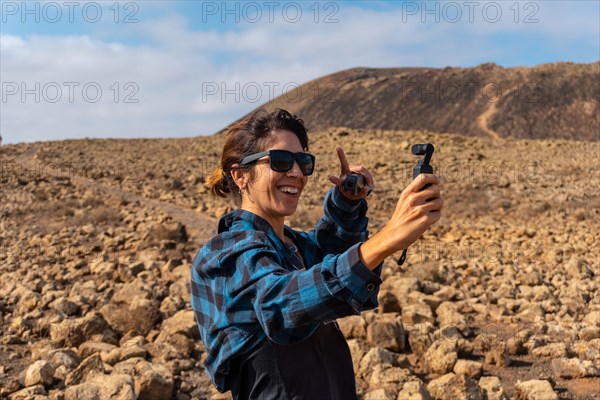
(535, 390)
(413, 390)
(353, 326)
(387, 332)
(441, 356)
(39, 373)
(152, 381)
(452, 386)
(492, 388)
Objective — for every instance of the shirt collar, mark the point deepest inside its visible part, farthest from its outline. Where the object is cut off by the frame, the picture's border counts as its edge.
(239, 219)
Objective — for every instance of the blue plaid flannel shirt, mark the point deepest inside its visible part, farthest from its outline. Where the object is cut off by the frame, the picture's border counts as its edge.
(245, 289)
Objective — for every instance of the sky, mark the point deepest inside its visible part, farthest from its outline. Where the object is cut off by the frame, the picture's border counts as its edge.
(120, 69)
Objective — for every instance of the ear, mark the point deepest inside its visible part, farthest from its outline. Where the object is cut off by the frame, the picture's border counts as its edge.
(239, 177)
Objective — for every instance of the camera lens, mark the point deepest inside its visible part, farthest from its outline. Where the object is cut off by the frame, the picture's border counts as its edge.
(418, 149)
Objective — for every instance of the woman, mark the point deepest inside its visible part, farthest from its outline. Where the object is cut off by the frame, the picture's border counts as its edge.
(266, 296)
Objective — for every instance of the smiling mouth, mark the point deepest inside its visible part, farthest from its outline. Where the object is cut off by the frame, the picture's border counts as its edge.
(289, 190)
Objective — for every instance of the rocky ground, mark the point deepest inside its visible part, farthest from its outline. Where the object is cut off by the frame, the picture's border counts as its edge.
(499, 300)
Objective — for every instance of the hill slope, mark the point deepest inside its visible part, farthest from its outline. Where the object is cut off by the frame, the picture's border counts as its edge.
(560, 100)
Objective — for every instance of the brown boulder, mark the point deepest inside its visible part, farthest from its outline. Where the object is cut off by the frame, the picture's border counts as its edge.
(452, 387)
(387, 332)
(140, 314)
(571, 368)
(535, 390)
(414, 390)
(182, 322)
(152, 381)
(492, 388)
(114, 387)
(89, 367)
(441, 356)
(72, 333)
(39, 373)
(353, 326)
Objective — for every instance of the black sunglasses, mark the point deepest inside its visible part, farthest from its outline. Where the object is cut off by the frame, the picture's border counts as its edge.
(283, 160)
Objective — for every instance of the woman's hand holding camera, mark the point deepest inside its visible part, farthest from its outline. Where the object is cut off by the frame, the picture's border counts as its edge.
(416, 210)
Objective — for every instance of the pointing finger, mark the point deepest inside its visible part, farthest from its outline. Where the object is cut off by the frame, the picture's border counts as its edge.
(345, 167)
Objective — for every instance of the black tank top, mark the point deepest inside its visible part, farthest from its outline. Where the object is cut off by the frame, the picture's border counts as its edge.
(317, 368)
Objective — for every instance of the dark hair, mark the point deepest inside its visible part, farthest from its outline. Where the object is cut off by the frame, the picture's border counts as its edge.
(251, 135)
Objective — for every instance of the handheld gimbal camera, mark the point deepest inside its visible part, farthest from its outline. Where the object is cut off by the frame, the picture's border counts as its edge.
(421, 167)
(354, 182)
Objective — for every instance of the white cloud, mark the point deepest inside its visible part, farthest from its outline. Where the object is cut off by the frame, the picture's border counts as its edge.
(172, 65)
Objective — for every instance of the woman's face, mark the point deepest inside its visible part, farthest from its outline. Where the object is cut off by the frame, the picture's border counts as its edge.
(274, 195)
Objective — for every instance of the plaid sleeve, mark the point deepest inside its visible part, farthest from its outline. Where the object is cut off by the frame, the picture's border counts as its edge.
(290, 305)
(343, 224)
(341, 229)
